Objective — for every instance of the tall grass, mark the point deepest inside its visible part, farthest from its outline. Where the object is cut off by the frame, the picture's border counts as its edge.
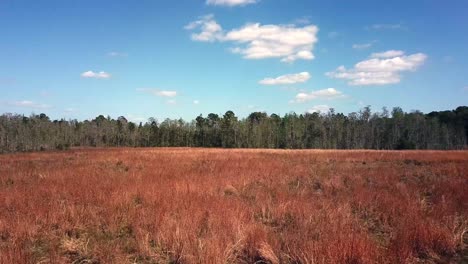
(233, 206)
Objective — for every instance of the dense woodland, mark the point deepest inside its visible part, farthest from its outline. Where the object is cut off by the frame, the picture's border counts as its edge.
(386, 129)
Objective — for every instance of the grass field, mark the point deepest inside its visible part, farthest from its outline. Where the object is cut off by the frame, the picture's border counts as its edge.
(233, 206)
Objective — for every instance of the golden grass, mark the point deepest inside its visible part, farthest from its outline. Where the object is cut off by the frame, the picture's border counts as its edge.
(181, 205)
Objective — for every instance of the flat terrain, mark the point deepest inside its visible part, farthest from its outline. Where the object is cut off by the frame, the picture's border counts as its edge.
(233, 206)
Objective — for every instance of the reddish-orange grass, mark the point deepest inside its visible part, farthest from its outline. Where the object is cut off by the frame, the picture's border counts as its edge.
(233, 206)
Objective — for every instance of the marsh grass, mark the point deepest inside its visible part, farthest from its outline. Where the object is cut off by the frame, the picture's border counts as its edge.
(174, 205)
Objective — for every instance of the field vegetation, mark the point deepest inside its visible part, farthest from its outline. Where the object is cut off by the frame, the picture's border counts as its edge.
(184, 205)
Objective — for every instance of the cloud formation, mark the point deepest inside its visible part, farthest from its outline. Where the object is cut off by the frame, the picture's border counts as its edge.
(386, 27)
(230, 2)
(388, 54)
(256, 41)
(287, 79)
(287, 42)
(319, 109)
(302, 20)
(210, 30)
(96, 75)
(136, 118)
(29, 104)
(329, 93)
(383, 68)
(157, 92)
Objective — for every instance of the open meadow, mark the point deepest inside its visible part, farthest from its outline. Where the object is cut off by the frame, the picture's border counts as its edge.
(183, 205)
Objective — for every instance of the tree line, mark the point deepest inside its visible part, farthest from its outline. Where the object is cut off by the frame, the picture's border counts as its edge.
(386, 129)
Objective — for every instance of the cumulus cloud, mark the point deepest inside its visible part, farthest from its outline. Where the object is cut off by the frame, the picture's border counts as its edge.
(256, 41)
(388, 54)
(383, 68)
(319, 109)
(97, 75)
(287, 42)
(195, 102)
(230, 2)
(157, 92)
(287, 79)
(210, 30)
(29, 104)
(329, 93)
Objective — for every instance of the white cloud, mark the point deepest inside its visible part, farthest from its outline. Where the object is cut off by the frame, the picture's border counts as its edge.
(166, 93)
(29, 104)
(117, 54)
(135, 118)
(256, 41)
(171, 102)
(97, 75)
(329, 93)
(388, 54)
(319, 109)
(275, 41)
(195, 102)
(381, 69)
(157, 92)
(231, 2)
(386, 27)
(210, 30)
(287, 79)
(362, 46)
(302, 21)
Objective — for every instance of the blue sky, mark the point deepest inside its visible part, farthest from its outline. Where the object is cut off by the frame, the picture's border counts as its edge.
(140, 59)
